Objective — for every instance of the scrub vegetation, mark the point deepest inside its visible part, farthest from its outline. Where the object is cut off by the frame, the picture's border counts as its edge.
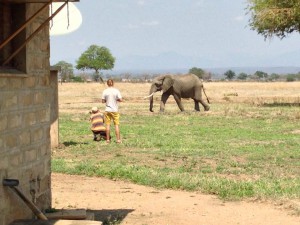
(246, 146)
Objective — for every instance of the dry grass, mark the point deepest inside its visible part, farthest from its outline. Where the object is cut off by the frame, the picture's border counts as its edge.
(80, 97)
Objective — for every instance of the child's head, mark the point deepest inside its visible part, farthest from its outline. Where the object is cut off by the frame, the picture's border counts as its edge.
(110, 83)
(95, 109)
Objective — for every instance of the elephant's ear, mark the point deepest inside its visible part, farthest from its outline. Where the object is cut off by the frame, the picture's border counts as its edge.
(168, 82)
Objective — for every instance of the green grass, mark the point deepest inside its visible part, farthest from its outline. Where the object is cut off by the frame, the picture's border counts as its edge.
(238, 153)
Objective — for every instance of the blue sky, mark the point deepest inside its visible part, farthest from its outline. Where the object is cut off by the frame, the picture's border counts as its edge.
(209, 33)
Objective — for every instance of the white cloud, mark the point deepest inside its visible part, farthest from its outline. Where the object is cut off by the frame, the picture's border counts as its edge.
(239, 18)
(141, 2)
(145, 24)
(151, 23)
(200, 3)
(132, 26)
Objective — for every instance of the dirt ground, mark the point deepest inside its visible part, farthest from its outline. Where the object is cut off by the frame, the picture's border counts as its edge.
(139, 205)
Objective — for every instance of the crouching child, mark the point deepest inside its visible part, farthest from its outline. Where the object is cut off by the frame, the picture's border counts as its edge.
(97, 124)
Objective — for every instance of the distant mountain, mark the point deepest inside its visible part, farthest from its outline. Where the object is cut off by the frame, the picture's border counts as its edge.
(172, 62)
(164, 61)
(291, 59)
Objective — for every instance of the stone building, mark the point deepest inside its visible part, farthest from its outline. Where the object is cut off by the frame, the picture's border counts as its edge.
(26, 113)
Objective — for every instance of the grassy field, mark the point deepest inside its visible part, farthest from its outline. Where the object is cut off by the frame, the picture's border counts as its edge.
(246, 146)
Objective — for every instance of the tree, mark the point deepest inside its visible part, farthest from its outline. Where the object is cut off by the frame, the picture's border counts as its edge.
(242, 76)
(274, 76)
(261, 75)
(290, 78)
(229, 74)
(77, 79)
(96, 58)
(66, 70)
(197, 71)
(274, 17)
(96, 77)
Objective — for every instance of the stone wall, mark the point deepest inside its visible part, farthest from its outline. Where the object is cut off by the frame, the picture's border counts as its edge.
(25, 152)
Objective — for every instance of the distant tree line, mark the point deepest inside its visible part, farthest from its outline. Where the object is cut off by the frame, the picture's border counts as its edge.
(261, 76)
(67, 75)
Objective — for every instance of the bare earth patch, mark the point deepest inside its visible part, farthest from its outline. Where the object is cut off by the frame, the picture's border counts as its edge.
(139, 205)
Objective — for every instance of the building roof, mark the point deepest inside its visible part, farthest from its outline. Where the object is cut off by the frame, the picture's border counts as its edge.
(35, 1)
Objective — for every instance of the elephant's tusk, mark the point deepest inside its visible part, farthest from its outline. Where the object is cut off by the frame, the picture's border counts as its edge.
(149, 95)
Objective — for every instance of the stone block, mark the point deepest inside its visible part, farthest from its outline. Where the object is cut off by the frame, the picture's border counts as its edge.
(15, 160)
(37, 62)
(29, 119)
(30, 155)
(44, 81)
(1, 142)
(43, 151)
(26, 99)
(44, 184)
(24, 138)
(15, 83)
(3, 122)
(3, 83)
(30, 82)
(3, 163)
(39, 98)
(11, 141)
(36, 135)
(11, 101)
(43, 115)
(14, 121)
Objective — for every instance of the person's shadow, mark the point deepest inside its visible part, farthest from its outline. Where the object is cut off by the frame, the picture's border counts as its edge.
(73, 143)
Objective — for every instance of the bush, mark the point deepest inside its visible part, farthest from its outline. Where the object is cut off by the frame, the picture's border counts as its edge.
(77, 79)
(290, 78)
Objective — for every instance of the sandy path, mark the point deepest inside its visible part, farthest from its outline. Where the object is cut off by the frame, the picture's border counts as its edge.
(139, 205)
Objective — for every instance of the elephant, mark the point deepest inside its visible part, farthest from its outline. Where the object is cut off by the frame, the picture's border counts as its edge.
(180, 86)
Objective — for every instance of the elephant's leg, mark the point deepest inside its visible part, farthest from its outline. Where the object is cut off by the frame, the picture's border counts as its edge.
(206, 106)
(178, 101)
(198, 98)
(197, 108)
(163, 101)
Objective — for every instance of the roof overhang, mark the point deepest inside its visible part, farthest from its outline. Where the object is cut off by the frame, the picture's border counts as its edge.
(35, 1)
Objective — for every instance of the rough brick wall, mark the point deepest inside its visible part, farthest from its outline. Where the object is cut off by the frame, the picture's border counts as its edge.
(25, 151)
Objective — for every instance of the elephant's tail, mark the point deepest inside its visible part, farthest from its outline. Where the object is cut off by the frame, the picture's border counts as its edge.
(205, 94)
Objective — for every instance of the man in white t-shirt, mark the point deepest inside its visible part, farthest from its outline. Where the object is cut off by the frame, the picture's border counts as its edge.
(111, 96)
